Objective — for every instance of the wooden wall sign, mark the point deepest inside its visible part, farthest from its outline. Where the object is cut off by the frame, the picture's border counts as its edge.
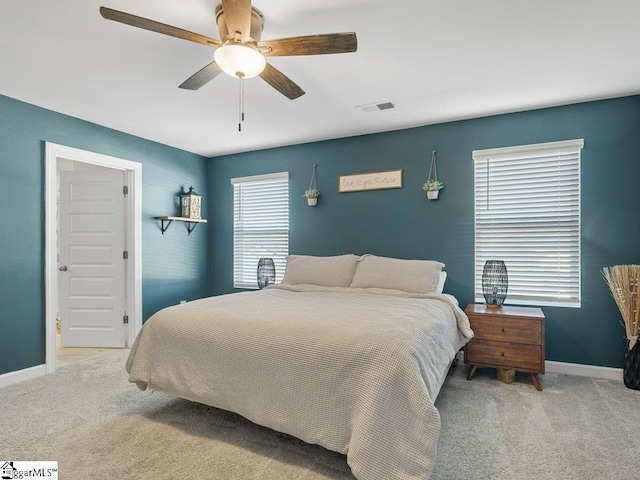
(357, 182)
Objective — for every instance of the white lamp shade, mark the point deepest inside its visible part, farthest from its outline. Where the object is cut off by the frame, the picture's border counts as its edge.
(239, 61)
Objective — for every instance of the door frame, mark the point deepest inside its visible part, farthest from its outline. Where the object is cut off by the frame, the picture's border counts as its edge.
(133, 239)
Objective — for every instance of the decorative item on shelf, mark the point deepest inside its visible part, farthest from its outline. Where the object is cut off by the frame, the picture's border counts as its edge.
(190, 212)
(191, 204)
(432, 186)
(624, 283)
(266, 272)
(312, 193)
(495, 282)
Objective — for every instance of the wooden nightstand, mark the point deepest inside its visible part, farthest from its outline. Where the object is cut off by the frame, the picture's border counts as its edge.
(509, 338)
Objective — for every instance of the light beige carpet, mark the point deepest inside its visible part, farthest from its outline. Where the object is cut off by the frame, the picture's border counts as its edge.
(67, 355)
(98, 426)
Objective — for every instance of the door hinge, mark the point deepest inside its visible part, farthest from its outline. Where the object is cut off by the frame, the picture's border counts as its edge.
(125, 190)
(125, 319)
(125, 255)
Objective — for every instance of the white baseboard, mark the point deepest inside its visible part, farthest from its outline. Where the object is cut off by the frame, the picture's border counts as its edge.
(22, 375)
(550, 366)
(584, 370)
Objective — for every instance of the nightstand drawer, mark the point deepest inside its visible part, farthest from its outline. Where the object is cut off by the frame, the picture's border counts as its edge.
(513, 356)
(514, 330)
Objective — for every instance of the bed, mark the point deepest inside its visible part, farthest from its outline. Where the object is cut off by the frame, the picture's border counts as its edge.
(353, 366)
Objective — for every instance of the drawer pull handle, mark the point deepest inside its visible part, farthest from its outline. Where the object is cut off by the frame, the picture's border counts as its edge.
(502, 354)
(502, 330)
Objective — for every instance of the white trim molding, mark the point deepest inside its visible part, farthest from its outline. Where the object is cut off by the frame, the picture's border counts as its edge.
(260, 178)
(22, 375)
(523, 151)
(581, 370)
(578, 369)
(133, 170)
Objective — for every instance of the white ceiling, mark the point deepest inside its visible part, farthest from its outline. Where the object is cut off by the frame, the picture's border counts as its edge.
(438, 60)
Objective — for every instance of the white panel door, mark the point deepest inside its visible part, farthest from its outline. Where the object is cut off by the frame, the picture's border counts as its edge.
(91, 268)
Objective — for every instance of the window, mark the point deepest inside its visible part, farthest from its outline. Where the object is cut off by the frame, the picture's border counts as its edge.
(527, 213)
(260, 225)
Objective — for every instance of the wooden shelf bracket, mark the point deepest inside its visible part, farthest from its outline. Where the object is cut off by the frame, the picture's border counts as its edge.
(191, 223)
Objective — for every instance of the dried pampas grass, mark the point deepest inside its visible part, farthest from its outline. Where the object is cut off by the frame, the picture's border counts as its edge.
(624, 283)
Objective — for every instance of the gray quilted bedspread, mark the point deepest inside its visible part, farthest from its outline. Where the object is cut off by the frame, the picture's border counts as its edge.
(353, 370)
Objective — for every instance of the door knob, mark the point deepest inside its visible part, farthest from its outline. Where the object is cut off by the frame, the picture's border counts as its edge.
(63, 268)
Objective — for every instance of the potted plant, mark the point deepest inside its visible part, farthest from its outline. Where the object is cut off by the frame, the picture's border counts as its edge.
(432, 187)
(312, 195)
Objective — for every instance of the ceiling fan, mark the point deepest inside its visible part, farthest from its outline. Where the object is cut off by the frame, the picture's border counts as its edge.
(240, 52)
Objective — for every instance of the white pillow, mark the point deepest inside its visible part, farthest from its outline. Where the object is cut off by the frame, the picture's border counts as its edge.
(413, 276)
(326, 271)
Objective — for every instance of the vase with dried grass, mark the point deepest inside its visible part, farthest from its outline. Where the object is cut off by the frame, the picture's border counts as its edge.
(624, 283)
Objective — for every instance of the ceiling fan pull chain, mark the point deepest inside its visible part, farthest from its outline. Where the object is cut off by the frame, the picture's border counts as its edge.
(240, 105)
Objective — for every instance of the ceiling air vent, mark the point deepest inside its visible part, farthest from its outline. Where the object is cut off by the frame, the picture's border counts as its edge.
(378, 107)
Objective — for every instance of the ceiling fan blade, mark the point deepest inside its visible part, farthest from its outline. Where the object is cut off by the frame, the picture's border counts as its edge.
(201, 77)
(238, 17)
(281, 82)
(158, 27)
(311, 45)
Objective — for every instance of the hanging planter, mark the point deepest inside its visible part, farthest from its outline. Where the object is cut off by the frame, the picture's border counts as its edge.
(432, 186)
(312, 193)
(433, 194)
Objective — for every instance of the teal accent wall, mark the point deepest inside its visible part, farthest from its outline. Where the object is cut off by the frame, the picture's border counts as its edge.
(175, 266)
(403, 223)
(400, 223)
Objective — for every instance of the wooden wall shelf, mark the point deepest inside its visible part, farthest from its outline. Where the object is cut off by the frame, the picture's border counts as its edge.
(191, 222)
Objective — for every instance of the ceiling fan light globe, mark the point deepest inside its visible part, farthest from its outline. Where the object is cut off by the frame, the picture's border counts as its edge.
(240, 61)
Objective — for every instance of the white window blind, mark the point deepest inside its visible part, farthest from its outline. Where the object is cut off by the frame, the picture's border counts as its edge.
(260, 225)
(527, 213)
